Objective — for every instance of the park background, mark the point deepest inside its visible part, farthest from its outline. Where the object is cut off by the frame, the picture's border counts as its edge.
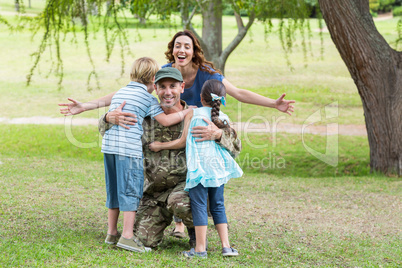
(300, 213)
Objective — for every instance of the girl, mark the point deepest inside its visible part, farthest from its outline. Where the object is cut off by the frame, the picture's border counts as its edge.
(209, 167)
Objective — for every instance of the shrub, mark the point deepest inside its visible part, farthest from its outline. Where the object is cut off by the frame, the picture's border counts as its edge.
(381, 5)
(397, 11)
(374, 5)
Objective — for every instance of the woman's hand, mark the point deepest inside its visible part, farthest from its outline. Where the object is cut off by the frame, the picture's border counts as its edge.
(207, 133)
(155, 146)
(73, 107)
(118, 117)
(284, 105)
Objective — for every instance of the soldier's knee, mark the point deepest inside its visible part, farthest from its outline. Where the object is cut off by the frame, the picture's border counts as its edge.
(149, 238)
(151, 243)
(178, 204)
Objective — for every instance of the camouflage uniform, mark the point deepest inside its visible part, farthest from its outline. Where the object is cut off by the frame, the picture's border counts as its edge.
(165, 178)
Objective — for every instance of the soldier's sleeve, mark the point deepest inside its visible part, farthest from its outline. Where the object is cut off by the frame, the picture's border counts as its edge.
(229, 142)
(103, 126)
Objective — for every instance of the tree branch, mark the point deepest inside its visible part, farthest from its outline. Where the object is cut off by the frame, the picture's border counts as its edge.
(239, 21)
(200, 3)
(150, 12)
(203, 44)
(240, 35)
(187, 23)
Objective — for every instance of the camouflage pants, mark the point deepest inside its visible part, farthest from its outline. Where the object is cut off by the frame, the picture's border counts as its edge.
(154, 216)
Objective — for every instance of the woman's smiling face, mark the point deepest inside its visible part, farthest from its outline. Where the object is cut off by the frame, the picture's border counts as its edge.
(183, 51)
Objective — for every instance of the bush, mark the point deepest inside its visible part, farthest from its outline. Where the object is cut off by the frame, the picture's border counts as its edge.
(386, 5)
(397, 11)
(374, 5)
(228, 10)
(381, 5)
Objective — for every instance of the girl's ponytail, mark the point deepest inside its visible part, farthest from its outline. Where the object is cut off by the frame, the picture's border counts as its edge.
(216, 87)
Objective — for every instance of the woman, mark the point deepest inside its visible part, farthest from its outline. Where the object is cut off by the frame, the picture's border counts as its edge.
(185, 54)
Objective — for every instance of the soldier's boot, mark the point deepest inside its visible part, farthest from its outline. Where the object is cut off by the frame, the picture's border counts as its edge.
(192, 241)
(191, 235)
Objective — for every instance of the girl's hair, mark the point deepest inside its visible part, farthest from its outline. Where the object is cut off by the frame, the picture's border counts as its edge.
(198, 58)
(143, 70)
(216, 87)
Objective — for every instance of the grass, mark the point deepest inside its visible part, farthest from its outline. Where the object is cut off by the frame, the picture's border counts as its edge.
(280, 154)
(52, 209)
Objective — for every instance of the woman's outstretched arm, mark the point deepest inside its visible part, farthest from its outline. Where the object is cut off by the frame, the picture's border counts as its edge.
(75, 107)
(248, 96)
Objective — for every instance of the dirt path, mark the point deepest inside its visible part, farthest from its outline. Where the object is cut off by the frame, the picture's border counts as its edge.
(12, 13)
(350, 130)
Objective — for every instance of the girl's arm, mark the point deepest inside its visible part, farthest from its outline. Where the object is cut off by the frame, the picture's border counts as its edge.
(168, 120)
(76, 107)
(176, 144)
(248, 96)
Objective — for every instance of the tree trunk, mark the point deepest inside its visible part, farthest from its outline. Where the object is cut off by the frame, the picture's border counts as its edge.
(184, 12)
(94, 9)
(212, 32)
(17, 5)
(142, 20)
(108, 8)
(376, 69)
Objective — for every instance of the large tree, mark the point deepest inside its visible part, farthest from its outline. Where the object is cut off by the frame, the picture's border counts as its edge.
(376, 69)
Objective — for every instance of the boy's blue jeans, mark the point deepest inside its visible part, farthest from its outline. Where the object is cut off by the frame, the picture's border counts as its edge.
(198, 200)
(124, 178)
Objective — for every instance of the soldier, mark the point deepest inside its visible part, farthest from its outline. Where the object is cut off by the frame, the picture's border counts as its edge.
(165, 171)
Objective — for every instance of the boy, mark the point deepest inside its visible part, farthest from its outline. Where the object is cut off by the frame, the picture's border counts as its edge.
(122, 150)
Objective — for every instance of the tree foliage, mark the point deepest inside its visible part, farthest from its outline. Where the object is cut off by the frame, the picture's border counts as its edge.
(384, 5)
(62, 17)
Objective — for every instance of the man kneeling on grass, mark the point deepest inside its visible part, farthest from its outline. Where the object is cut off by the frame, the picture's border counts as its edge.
(165, 171)
(122, 148)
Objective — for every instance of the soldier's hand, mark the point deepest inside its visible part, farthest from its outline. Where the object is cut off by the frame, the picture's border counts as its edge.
(206, 133)
(155, 146)
(123, 119)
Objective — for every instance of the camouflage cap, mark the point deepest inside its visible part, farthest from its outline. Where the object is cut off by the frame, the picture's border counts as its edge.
(168, 72)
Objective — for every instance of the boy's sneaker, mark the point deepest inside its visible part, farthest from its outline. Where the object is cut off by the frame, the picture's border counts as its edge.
(112, 239)
(227, 252)
(192, 253)
(132, 244)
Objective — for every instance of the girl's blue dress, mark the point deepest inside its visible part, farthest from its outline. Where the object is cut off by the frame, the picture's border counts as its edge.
(207, 162)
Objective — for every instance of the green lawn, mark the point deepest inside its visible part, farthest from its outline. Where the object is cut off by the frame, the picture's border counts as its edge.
(52, 207)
